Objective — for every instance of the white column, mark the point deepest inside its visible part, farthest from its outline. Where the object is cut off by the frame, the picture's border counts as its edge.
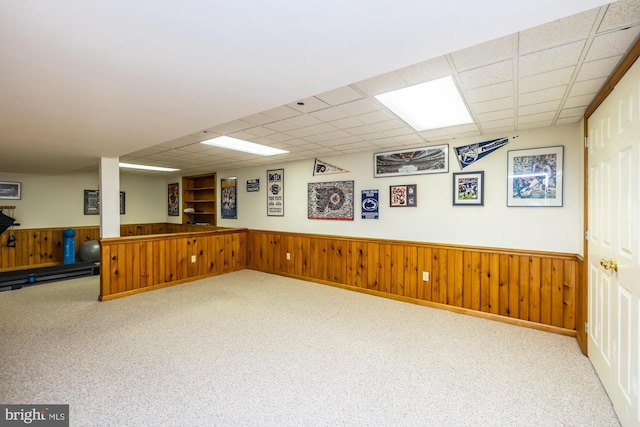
(109, 197)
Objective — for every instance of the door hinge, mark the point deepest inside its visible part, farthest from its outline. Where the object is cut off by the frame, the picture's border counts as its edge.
(586, 142)
(586, 327)
(586, 235)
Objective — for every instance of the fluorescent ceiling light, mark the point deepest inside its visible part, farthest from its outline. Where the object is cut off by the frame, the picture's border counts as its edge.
(245, 146)
(431, 105)
(148, 168)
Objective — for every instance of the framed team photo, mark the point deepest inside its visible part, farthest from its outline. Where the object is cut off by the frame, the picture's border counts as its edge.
(468, 189)
(535, 177)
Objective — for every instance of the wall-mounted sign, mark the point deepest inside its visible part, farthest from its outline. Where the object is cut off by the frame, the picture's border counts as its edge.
(275, 192)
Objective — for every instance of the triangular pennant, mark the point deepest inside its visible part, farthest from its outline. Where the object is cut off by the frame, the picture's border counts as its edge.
(468, 154)
(323, 168)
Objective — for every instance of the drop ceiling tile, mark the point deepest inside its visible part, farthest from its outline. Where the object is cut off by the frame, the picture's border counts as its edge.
(280, 126)
(360, 130)
(568, 120)
(537, 118)
(381, 84)
(545, 95)
(550, 59)
(497, 50)
(147, 151)
(279, 113)
(534, 125)
(317, 129)
(359, 107)
(586, 87)
(327, 136)
(359, 147)
(487, 93)
(176, 143)
(488, 75)
(399, 131)
(572, 112)
(498, 124)
(375, 117)
(426, 71)
(502, 130)
(347, 140)
(329, 114)
(621, 14)
(561, 31)
(612, 44)
(346, 123)
(598, 69)
(544, 107)
(259, 119)
(196, 148)
(495, 115)
(340, 96)
(276, 137)
(260, 131)
(387, 125)
(308, 105)
(493, 105)
(409, 139)
(545, 80)
(230, 127)
(578, 101)
(302, 120)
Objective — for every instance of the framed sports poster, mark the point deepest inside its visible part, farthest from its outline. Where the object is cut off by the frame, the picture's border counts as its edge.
(229, 191)
(468, 189)
(173, 202)
(535, 177)
(330, 200)
(424, 160)
(275, 192)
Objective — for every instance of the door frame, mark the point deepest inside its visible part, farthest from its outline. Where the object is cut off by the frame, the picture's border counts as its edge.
(582, 291)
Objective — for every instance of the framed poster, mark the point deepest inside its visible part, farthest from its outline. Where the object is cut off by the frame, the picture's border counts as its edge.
(229, 192)
(92, 202)
(468, 189)
(10, 190)
(275, 192)
(330, 200)
(403, 195)
(253, 185)
(535, 177)
(412, 162)
(173, 204)
(122, 202)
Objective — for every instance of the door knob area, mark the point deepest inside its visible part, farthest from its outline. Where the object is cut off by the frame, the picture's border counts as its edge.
(609, 265)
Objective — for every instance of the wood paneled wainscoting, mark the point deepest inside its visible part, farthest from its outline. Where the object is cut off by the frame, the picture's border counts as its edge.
(533, 289)
(40, 247)
(131, 265)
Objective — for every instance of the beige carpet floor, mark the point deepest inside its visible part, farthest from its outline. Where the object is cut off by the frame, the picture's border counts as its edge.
(253, 349)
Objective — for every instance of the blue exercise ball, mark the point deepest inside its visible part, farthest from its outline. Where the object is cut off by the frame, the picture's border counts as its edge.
(89, 251)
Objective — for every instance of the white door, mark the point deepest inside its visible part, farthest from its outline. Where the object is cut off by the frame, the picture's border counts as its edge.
(614, 244)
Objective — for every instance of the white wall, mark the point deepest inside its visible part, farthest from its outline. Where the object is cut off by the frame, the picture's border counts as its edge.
(58, 201)
(557, 229)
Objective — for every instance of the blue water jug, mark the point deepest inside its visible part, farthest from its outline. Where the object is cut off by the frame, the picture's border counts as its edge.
(69, 245)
